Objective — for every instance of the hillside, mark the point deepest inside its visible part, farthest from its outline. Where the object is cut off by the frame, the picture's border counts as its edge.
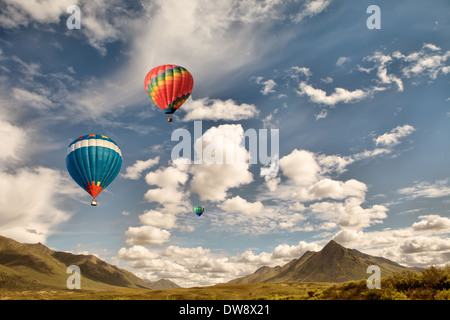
(34, 266)
(162, 284)
(333, 263)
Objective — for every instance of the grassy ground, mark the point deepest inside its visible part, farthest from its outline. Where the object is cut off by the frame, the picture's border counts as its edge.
(251, 291)
(429, 284)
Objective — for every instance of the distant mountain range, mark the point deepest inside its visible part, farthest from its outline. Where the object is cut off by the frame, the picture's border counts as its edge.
(333, 263)
(35, 266)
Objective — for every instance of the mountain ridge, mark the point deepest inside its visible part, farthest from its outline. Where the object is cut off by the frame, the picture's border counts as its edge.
(334, 263)
(34, 265)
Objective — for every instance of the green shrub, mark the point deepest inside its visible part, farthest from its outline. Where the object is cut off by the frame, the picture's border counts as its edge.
(443, 295)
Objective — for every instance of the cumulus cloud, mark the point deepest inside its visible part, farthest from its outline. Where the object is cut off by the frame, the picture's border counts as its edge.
(214, 109)
(32, 99)
(134, 172)
(350, 214)
(146, 235)
(307, 177)
(338, 96)
(30, 198)
(16, 13)
(212, 178)
(311, 8)
(158, 219)
(425, 189)
(429, 61)
(268, 85)
(30, 205)
(12, 141)
(239, 205)
(432, 222)
(302, 70)
(342, 60)
(199, 266)
(418, 245)
(382, 62)
(301, 167)
(393, 137)
(422, 244)
(169, 181)
(136, 253)
(425, 62)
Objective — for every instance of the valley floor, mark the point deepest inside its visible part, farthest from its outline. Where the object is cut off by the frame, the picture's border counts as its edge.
(250, 291)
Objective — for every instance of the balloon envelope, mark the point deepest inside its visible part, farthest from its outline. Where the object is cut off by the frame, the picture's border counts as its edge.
(199, 210)
(93, 161)
(169, 86)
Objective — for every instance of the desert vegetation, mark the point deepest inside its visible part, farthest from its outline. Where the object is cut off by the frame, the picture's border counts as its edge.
(429, 284)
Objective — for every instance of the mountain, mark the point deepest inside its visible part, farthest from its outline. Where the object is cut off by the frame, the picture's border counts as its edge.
(35, 266)
(333, 263)
(162, 284)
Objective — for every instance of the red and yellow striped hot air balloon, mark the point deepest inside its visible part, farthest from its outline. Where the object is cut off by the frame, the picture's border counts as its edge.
(169, 86)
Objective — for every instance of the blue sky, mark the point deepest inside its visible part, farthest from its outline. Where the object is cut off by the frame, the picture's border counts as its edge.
(363, 118)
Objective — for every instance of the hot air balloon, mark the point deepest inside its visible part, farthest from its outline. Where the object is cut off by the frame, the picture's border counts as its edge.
(93, 161)
(199, 210)
(169, 86)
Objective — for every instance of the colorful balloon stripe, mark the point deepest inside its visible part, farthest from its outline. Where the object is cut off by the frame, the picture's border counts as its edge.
(93, 161)
(169, 86)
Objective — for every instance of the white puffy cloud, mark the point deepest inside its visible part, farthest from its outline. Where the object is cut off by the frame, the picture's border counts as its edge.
(433, 223)
(339, 95)
(15, 12)
(12, 141)
(302, 70)
(169, 181)
(136, 253)
(268, 85)
(31, 99)
(342, 60)
(311, 8)
(30, 205)
(199, 266)
(427, 190)
(350, 214)
(179, 252)
(306, 170)
(382, 62)
(392, 138)
(215, 109)
(158, 219)
(421, 245)
(30, 198)
(214, 176)
(134, 172)
(301, 167)
(146, 235)
(425, 244)
(239, 205)
(425, 62)
(327, 188)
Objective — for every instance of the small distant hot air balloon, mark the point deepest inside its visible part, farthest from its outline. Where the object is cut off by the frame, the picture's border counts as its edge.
(199, 210)
(169, 86)
(93, 161)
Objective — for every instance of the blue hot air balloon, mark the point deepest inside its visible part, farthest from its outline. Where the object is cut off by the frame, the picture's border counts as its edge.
(199, 210)
(93, 161)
